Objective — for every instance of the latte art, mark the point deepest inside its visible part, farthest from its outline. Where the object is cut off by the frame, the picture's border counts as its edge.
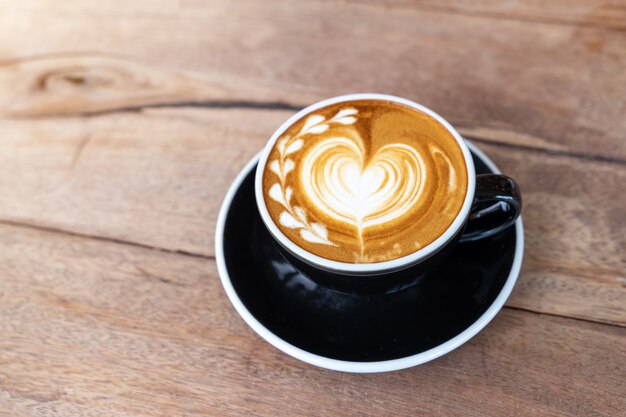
(364, 181)
(337, 179)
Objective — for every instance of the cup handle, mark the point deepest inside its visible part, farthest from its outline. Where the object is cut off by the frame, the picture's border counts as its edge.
(497, 205)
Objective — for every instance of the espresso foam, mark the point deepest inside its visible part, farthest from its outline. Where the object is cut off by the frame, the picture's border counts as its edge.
(364, 181)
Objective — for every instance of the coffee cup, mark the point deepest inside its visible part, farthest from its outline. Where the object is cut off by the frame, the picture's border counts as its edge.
(372, 191)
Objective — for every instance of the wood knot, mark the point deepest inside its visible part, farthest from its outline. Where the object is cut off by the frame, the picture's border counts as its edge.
(90, 78)
(84, 84)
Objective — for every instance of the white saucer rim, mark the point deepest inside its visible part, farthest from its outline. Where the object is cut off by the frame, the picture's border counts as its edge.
(355, 366)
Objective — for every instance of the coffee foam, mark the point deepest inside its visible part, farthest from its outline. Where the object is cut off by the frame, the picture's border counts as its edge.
(364, 181)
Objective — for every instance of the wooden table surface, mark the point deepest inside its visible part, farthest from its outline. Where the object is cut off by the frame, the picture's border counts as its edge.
(122, 124)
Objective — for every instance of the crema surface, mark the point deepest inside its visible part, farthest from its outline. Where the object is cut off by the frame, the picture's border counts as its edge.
(364, 181)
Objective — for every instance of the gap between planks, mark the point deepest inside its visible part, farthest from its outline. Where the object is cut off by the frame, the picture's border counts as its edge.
(65, 232)
(283, 105)
(53, 230)
(552, 152)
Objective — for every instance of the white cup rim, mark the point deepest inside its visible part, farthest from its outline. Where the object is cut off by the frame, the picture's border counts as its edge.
(377, 267)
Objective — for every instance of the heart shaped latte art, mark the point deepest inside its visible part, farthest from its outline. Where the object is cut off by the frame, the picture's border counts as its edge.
(345, 186)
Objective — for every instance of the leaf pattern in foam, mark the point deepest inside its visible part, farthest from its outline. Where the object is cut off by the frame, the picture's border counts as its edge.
(320, 230)
(345, 112)
(295, 217)
(318, 129)
(275, 167)
(294, 146)
(311, 237)
(346, 120)
(289, 221)
(300, 213)
(276, 194)
(281, 145)
(312, 121)
(289, 165)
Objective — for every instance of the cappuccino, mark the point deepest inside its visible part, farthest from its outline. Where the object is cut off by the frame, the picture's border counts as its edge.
(364, 181)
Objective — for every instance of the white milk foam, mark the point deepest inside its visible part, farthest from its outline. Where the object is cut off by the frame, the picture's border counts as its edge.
(344, 182)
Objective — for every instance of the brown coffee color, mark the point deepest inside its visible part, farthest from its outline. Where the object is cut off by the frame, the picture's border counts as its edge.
(364, 181)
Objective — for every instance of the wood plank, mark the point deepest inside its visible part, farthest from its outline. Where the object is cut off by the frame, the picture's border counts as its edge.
(575, 260)
(610, 14)
(530, 83)
(84, 84)
(97, 328)
(157, 178)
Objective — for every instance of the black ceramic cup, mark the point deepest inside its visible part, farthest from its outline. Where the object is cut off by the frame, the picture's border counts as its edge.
(492, 203)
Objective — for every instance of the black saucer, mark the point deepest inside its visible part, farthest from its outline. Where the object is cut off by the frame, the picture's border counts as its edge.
(348, 331)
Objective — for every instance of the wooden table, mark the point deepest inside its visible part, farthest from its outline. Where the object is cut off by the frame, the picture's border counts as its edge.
(122, 124)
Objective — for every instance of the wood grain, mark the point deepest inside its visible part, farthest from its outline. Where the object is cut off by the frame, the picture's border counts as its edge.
(96, 328)
(531, 83)
(575, 257)
(90, 83)
(123, 123)
(157, 177)
(609, 14)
